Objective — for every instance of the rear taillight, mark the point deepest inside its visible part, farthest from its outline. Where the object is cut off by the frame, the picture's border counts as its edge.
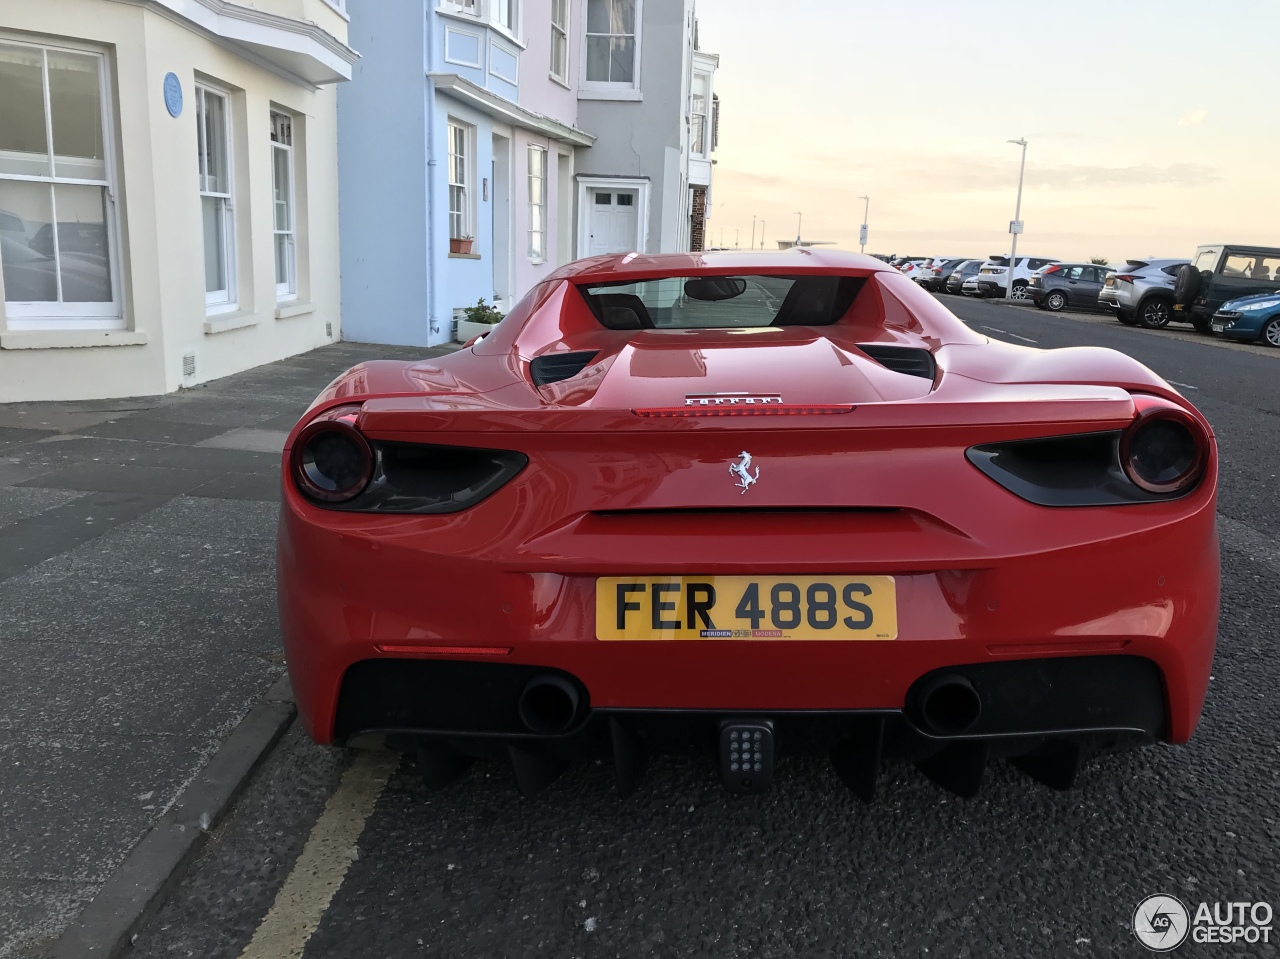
(1165, 449)
(331, 461)
(937, 271)
(1128, 278)
(1051, 269)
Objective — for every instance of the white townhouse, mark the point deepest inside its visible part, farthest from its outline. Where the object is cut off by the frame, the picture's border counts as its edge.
(168, 190)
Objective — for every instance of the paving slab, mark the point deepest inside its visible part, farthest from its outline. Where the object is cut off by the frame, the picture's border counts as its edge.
(19, 503)
(138, 622)
(34, 911)
(254, 440)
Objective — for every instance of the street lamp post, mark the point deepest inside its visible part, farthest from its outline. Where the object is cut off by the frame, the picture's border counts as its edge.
(762, 234)
(799, 222)
(736, 234)
(1016, 226)
(753, 234)
(862, 234)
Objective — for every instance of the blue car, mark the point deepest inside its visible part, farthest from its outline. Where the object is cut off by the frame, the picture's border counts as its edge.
(1250, 318)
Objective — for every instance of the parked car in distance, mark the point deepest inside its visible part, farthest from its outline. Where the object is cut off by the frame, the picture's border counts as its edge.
(1140, 292)
(1060, 285)
(935, 273)
(912, 268)
(1219, 273)
(965, 270)
(992, 275)
(1250, 318)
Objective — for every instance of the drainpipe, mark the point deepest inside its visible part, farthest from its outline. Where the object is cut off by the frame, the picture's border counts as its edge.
(433, 295)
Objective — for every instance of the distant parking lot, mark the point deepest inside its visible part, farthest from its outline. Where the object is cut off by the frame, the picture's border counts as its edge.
(1100, 318)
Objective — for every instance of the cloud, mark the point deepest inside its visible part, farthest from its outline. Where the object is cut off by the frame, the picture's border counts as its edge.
(1193, 119)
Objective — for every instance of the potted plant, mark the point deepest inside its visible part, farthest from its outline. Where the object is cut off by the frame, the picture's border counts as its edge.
(461, 244)
(477, 320)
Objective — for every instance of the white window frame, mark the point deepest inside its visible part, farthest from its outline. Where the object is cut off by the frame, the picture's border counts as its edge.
(286, 289)
(466, 210)
(224, 300)
(44, 315)
(694, 116)
(465, 8)
(538, 200)
(560, 31)
(511, 29)
(610, 90)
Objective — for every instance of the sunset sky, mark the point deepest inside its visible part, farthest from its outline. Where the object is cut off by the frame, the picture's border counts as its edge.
(1153, 124)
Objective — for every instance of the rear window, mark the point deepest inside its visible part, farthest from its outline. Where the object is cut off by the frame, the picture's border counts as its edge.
(1207, 259)
(722, 302)
(1251, 266)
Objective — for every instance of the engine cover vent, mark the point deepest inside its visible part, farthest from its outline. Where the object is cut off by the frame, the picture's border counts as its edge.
(554, 367)
(911, 360)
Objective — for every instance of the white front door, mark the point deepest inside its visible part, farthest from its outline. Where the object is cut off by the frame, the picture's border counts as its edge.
(612, 223)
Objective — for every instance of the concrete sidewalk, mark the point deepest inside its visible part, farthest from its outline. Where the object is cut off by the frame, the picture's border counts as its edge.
(137, 614)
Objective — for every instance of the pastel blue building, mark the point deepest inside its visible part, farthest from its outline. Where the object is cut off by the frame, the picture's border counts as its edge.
(456, 159)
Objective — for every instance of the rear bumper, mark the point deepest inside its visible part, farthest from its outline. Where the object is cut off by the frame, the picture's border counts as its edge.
(474, 707)
(1129, 582)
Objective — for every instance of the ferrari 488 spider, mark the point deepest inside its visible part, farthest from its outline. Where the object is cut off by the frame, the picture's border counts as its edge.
(749, 504)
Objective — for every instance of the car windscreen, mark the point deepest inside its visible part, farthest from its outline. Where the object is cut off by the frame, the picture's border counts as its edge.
(722, 302)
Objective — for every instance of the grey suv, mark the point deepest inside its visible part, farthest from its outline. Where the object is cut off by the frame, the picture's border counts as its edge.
(1141, 294)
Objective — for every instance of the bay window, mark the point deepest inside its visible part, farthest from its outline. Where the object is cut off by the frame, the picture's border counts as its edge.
(700, 114)
(57, 191)
(213, 140)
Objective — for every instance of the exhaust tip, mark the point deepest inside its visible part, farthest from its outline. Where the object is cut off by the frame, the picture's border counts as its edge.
(949, 705)
(548, 705)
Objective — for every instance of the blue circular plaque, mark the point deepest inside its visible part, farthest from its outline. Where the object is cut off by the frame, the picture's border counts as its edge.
(173, 94)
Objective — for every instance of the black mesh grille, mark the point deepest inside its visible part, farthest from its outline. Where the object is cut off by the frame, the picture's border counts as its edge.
(554, 367)
(902, 359)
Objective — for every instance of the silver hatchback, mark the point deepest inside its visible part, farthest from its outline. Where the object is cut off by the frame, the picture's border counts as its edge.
(1141, 292)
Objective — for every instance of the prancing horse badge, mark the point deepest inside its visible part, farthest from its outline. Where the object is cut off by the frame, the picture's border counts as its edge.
(742, 470)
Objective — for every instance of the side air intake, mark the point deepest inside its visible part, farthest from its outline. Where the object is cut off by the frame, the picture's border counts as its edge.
(902, 359)
(554, 367)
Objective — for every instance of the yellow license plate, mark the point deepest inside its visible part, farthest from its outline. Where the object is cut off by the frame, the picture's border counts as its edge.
(746, 607)
(1177, 307)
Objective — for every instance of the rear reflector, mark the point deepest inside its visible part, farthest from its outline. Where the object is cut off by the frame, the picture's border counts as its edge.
(816, 409)
(445, 650)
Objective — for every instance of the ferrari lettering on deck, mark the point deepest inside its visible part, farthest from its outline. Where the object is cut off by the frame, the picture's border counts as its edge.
(746, 607)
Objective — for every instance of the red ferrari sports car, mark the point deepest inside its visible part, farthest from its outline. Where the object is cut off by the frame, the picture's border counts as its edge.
(749, 504)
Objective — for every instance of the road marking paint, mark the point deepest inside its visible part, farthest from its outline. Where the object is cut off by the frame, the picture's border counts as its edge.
(316, 876)
(1185, 386)
(1025, 339)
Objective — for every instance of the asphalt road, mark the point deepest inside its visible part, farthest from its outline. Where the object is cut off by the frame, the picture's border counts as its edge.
(337, 854)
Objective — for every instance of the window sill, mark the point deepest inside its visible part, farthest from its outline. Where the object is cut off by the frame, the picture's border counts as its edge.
(222, 322)
(288, 309)
(465, 256)
(558, 81)
(70, 339)
(622, 93)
